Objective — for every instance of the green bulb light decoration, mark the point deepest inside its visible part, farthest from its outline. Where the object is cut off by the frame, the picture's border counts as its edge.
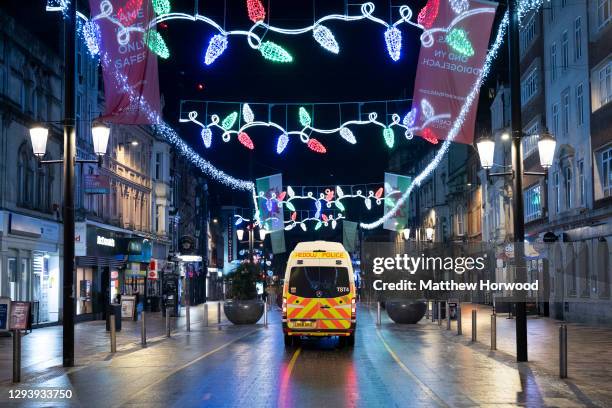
(161, 6)
(274, 52)
(389, 136)
(229, 121)
(157, 45)
(458, 40)
(304, 117)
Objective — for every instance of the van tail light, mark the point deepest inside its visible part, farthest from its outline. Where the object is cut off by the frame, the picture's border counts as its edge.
(353, 308)
(284, 308)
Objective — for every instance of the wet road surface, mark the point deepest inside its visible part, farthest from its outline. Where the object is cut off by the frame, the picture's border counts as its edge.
(231, 366)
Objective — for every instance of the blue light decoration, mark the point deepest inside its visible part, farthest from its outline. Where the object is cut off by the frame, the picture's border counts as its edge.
(325, 38)
(206, 137)
(281, 143)
(410, 118)
(91, 34)
(393, 38)
(318, 207)
(216, 47)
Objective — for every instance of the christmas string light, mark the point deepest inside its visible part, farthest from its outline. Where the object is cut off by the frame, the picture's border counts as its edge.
(393, 39)
(157, 45)
(246, 141)
(274, 52)
(161, 6)
(91, 34)
(325, 38)
(255, 10)
(458, 40)
(305, 119)
(429, 13)
(459, 6)
(216, 47)
(428, 38)
(206, 137)
(430, 136)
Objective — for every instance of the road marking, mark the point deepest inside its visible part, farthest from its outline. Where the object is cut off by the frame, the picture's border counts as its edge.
(292, 361)
(416, 379)
(176, 370)
(285, 376)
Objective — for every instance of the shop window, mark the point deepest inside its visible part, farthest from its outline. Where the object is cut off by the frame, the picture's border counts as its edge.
(570, 269)
(603, 269)
(583, 264)
(84, 288)
(12, 275)
(533, 203)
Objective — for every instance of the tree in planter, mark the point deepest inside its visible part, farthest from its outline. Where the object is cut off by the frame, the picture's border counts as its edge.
(242, 281)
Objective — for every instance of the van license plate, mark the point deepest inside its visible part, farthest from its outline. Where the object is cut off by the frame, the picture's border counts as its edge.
(304, 325)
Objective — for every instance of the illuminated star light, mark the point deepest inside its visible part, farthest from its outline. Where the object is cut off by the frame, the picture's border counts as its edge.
(393, 38)
(216, 47)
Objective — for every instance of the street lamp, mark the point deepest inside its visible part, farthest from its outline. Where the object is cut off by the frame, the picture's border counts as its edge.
(546, 149)
(406, 233)
(429, 232)
(486, 150)
(262, 233)
(240, 234)
(100, 134)
(38, 137)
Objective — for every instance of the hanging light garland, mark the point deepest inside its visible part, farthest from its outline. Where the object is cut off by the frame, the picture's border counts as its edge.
(157, 45)
(305, 119)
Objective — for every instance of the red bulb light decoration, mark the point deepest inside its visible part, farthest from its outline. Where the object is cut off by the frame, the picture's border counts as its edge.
(430, 136)
(316, 146)
(129, 13)
(281, 195)
(256, 10)
(429, 13)
(379, 192)
(246, 141)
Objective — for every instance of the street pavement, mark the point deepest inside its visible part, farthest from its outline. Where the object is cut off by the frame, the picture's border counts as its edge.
(223, 365)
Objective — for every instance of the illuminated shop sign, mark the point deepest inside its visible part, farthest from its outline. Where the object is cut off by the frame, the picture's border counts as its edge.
(109, 242)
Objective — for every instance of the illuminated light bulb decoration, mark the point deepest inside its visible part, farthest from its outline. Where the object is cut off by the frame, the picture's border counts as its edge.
(229, 121)
(389, 137)
(347, 135)
(274, 52)
(91, 34)
(247, 113)
(460, 6)
(304, 117)
(255, 10)
(206, 137)
(325, 38)
(410, 118)
(128, 13)
(458, 40)
(426, 108)
(161, 6)
(393, 39)
(216, 47)
(429, 13)
(430, 136)
(281, 143)
(157, 45)
(246, 141)
(316, 146)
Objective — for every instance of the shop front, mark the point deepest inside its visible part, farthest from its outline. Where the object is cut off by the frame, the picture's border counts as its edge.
(30, 263)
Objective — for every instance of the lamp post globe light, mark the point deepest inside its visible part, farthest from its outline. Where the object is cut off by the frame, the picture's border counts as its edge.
(406, 233)
(100, 134)
(240, 234)
(546, 149)
(486, 151)
(38, 137)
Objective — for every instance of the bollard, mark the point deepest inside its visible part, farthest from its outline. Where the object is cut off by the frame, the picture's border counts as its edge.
(439, 313)
(113, 333)
(427, 309)
(188, 317)
(563, 351)
(459, 330)
(16, 356)
(448, 316)
(206, 314)
(219, 313)
(473, 324)
(143, 329)
(493, 331)
(168, 323)
(378, 319)
(265, 314)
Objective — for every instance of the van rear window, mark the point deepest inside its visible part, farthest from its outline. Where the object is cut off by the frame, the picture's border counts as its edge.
(319, 281)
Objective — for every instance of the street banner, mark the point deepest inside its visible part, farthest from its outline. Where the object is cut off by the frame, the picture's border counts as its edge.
(349, 235)
(277, 238)
(452, 55)
(20, 312)
(96, 184)
(271, 215)
(129, 68)
(395, 185)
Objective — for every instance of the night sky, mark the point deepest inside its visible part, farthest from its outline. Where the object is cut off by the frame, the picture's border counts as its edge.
(362, 71)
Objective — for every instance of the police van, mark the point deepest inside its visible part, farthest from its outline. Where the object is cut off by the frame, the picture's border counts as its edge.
(319, 295)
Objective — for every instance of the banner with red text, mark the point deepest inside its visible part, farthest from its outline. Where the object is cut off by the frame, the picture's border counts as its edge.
(453, 50)
(129, 68)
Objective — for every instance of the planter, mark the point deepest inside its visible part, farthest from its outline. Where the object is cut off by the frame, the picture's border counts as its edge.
(243, 311)
(405, 311)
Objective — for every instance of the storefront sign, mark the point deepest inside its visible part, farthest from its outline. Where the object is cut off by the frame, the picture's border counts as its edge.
(80, 239)
(135, 269)
(96, 184)
(19, 315)
(5, 312)
(230, 238)
(152, 274)
(33, 227)
(109, 242)
(101, 242)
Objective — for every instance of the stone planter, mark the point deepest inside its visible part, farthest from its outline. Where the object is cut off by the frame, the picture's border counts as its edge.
(243, 311)
(405, 311)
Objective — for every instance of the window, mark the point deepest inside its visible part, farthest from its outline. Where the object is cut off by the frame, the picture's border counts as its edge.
(565, 99)
(579, 105)
(605, 84)
(581, 185)
(530, 140)
(553, 62)
(460, 222)
(603, 12)
(568, 187)
(528, 34)
(158, 166)
(564, 51)
(551, 14)
(556, 191)
(577, 38)
(606, 172)
(533, 203)
(530, 86)
(555, 119)
(318, 281)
